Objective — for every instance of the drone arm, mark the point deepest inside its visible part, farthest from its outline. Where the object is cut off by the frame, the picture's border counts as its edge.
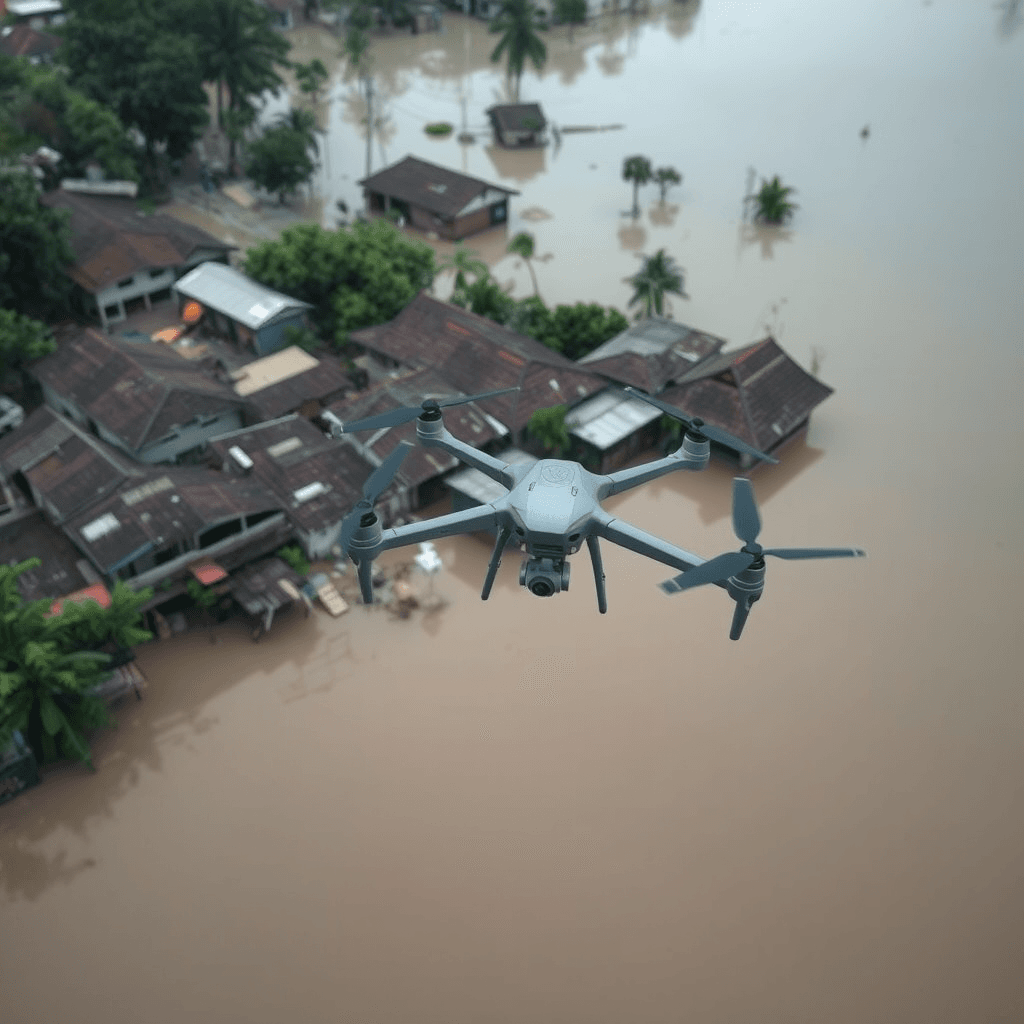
(473, 520)
(433, 435)
(633, 539)
(690, 455)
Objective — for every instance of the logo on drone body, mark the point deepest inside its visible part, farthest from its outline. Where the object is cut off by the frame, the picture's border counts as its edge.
(556, 474)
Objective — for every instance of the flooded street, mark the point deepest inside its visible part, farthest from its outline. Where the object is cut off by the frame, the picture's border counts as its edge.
(522, 811)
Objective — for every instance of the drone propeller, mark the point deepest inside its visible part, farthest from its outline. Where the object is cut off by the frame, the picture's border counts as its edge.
(746, 523)
(698, 429)
(363, 514)
(431, 408)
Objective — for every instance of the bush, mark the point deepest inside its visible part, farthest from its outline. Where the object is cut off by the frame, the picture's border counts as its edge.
(439, 128)
(292, 554)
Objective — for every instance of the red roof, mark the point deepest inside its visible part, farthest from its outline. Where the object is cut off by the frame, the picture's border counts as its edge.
(97, 592)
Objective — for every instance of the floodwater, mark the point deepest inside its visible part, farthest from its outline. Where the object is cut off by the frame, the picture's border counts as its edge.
(525, 811)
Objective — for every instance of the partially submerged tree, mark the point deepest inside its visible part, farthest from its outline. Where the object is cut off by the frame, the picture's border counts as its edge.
(665, 178)
(571, 13)
(518, 21)
(464, 262)
(771, 203)
(636, 169)
(659, 276)
(311, 77)
(522, 245)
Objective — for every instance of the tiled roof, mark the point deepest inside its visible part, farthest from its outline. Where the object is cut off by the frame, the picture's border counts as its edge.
(757, 393)
(111, 239)
(23, 41)
(466, 422)
(323, 381)
(652, 353)
(31, 535)
(428, 186)
(290, 454)
(138, 392)
(475, 354)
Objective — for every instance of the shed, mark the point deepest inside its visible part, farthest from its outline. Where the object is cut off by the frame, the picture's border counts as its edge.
(258, 589)
(251, 315)
(611, 428)
(518, 124)
(434, 198)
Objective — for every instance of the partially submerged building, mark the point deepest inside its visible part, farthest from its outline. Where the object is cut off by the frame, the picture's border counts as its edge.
(518, 124)
(435, 198)
(250, 315)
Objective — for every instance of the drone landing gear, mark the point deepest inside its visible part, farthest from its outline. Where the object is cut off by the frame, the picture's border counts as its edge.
(492, 567)
(595, 557)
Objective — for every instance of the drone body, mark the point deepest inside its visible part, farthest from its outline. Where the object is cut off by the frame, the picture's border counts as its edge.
(554, 506)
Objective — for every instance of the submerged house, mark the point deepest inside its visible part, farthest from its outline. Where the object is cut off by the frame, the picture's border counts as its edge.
(125, 260)
(518, 124)
(252, 316)
(758, 393)
(434, 198)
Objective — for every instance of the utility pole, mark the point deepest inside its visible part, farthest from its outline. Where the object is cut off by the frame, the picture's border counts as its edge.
(369, 122)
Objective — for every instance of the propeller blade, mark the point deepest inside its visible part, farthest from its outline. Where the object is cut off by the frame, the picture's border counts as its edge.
(719, 568)
(746, 522)
(739, 618)
(815, 552)
(408, 413)
(711, 432)
(379, 479)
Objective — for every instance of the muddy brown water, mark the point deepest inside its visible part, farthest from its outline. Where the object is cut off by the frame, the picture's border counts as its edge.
(525, 811)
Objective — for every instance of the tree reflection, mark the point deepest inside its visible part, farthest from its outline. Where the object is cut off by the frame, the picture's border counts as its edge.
(765, 235)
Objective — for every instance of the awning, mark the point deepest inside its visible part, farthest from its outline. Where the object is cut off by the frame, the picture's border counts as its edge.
(97, 592)
(207, 572)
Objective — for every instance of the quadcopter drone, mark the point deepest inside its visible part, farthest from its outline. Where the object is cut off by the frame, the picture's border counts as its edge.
(554, 506)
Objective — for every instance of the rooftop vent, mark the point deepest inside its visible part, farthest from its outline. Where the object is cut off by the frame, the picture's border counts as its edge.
(240, 457)
(107, 523)
(309, 492)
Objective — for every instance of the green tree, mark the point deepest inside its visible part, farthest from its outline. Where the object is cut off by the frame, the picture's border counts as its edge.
(530, 317)
(523, 246)
(311, 77)
(660, 275)
(35, 249)
(577, 330)
(665, 178)
(571, 13)
(771, 202)
(279, 160)
(485, 298)
(548, 427)
(517, 22)
(464, 262)
(353, 278)
(293, 556)
(47, 679)
(636, 169)
(22, 339)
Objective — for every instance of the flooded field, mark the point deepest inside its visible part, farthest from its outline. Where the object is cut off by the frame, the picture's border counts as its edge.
(523, 811)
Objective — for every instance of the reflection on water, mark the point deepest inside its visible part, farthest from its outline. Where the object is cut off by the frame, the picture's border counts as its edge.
(523, 810)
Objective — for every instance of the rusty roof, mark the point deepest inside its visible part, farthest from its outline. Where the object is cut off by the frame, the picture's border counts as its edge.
(517, 117)
(429, 186)
(321, 383)
(169, 504)
(24, 41)
(137, 392)
(466, 422)
(290, 454)
(652, 353)
(475, 354)
(111, 239)
(757, 393)
(30, 536)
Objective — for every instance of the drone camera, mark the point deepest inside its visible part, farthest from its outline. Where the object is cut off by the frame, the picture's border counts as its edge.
(544, 576)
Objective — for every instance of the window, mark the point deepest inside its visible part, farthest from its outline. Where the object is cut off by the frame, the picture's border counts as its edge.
(125, 282)
(157, 273)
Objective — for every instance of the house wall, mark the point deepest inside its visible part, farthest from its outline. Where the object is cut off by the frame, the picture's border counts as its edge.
(270, 338)
(471, 223)
(142, 284)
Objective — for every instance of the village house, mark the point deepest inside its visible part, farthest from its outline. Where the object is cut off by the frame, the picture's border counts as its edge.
(254, 318)
(474, 355)
(518, 124)
(36, 14)
(419, 479)
(145, 525)
(289, 381)
(315, 479)
(758, 393)
(126, 260)
(433, 198)
(141, 398)
(26, 42)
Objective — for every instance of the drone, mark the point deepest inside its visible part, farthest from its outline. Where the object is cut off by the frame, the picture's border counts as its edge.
(553, 507)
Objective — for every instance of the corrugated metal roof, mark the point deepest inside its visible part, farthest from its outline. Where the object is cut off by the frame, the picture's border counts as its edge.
(227, 291)
(608, 418)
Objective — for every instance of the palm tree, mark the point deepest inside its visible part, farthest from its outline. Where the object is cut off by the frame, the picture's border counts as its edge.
(660, 275)
(771, 202)
(636, 169)
(665, 178)
(517, 22)
(302, 122)
(463, 261)
(522, 246)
